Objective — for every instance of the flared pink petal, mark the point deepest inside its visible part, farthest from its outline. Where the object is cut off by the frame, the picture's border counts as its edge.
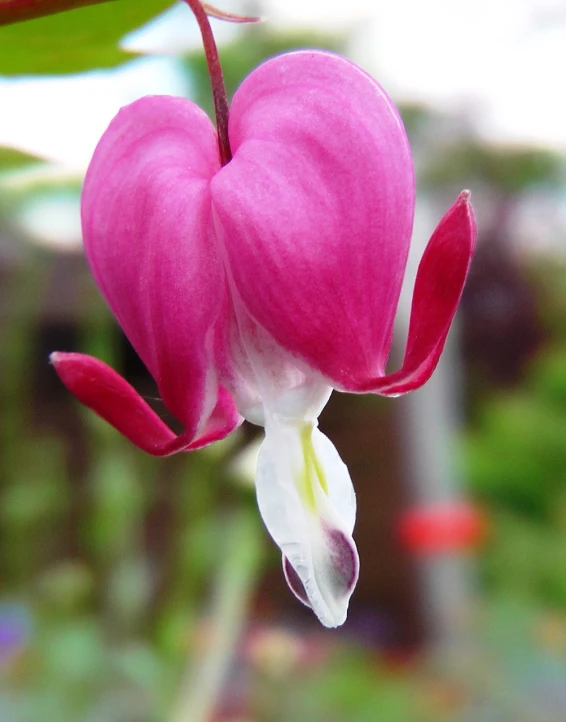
(149, 239)
(315, 210)
(104, 391)
(438, 287)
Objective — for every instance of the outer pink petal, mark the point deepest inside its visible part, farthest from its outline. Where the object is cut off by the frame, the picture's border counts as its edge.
(315, 210)
(149, 238)
(438, 287)
(104, 391)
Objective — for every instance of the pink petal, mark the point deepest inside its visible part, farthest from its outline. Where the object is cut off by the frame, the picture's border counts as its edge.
(149, 238)
(315, 210)
(438, 287)
(221, 422)
(104, 391)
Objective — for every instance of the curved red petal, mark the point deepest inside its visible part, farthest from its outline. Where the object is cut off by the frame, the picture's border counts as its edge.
(149, 238)
(439, 284)
(222, 421)
(104, 391)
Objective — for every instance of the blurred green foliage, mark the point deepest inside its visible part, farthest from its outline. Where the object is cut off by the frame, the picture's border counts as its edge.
(515, 460)
(12, 159)
(70, 42)
(349, 687)
(505, 169)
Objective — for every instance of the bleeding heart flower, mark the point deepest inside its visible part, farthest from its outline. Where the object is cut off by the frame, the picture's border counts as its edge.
(254, 280)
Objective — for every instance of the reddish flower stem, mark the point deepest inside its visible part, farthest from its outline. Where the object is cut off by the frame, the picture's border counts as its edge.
(216, 80)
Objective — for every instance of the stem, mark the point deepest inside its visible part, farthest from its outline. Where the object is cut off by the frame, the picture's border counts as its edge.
(205, 677)
(216, 80)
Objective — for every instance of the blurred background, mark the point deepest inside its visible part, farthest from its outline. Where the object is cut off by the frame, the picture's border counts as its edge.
(138, 590)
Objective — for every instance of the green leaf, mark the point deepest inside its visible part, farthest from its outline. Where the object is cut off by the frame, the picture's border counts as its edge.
(76, 40)
(15, 11)
(13, 159)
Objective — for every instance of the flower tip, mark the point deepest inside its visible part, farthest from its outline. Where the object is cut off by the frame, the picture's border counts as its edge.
(464, 202)
(56, 357)
(71, 367)
(334, 580)
(67, 360)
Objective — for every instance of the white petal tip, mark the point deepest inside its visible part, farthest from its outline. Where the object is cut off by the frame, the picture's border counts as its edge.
(335, 577)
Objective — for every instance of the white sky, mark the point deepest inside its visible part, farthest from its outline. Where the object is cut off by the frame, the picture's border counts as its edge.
(503, 60)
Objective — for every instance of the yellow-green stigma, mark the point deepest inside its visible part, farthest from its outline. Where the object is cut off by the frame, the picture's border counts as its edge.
(312, 473)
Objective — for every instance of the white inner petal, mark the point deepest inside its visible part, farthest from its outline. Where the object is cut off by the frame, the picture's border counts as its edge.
(264, 378)
(307, 502)
(287, 391)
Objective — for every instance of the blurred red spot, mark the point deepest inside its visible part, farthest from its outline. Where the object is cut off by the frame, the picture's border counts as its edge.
(442, 528)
